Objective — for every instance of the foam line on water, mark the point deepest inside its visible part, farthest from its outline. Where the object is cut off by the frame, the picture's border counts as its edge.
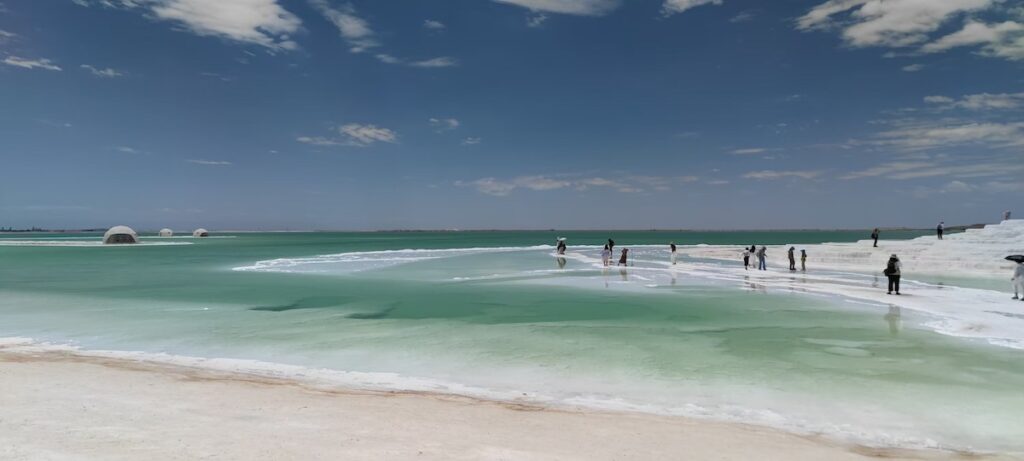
(85, 244)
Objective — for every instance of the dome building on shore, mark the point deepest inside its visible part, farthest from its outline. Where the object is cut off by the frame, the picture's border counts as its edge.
(120, 235)
(166, 232)
(200, 233)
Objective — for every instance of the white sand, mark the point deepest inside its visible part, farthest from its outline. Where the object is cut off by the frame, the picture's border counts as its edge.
(63, 406)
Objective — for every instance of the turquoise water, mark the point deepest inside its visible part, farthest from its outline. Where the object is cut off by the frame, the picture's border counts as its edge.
(495, 312)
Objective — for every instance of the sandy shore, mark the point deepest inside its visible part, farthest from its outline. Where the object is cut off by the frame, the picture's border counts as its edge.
(61, 405)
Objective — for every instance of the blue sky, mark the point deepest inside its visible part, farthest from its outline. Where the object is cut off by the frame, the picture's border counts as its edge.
(321, 114)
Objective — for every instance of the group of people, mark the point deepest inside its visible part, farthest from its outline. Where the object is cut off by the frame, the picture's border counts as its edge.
(607, 252)
(762, 258)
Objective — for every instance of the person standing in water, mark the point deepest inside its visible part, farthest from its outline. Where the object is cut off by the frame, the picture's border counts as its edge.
(1006, 215)
(1018, 281)
(746, 258)
(874, 236)
(803, 260)
(792, 258)
(893, 272)
(940, 229)
(762, 255)
(672, 249)
(560, 247)
(622, 259)
(611, 245)
(606, 256)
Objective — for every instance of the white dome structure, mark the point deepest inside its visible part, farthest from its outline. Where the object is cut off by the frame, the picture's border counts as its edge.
(200, 233)
(166, 232)
(120, 234)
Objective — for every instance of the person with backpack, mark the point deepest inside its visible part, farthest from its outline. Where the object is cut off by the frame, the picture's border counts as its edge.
(874, 236)
(892, 271)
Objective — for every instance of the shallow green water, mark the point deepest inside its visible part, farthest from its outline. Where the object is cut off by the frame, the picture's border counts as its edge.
(501, 315)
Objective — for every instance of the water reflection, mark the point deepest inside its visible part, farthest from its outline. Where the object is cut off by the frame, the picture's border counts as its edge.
(894, 317)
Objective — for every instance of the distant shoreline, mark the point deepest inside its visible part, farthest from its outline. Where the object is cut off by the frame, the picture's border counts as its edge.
(883, 229)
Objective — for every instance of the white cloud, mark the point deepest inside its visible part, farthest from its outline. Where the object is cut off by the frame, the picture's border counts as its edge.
(671, 7)
(471, 141)
(387, 58)
(444, 124)
(913, 68)
(1004, 40)
(4, 35)
(775, 174)
(626, 185)
(743, 16)
(353, 135)
(105, 73)
(894, 23)
(258, 22)
(41, 63)
(904, 170)
(576, 7)
(435, 62)
(354, 29)
(748, 151)
(923, 135)
(209, 162)
(535, 20)
(127, 150)
(433, 25)
(980, 102)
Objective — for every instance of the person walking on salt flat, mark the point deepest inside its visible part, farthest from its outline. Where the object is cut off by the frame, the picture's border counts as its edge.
(792, 258)
(874, 236)
(893, 273)
(940, 228)
(1018, 281)
(672, 249)
(746, 258)
(761, 256)
(803, 260)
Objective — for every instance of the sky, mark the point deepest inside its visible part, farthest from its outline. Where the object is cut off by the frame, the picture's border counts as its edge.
(510, 114)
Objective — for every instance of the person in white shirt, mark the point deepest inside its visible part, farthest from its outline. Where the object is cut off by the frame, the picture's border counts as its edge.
(606, 256)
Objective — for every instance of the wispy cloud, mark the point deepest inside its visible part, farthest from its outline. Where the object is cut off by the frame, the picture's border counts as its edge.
(259, 22)
(904, 170)
(354, 29)
(444, 124)
(913, 68)
(435, 62)
(353, 135)
(628, 184)
(1002, 40)
(749, 151)
(24, 63)
(743, 16)
(433, 25)
(104, 73)
(471, 141)
(777, 174)
(979, 102)
(209, 162)
(575, 7)
(892, 23)
(671, 7)
(534, 20)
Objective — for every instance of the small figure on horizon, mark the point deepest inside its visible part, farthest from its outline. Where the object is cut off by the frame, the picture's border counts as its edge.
(622, 259)
(672, 249)
(940, 229)
(803, 260)
(1018, 281)
(1006, 215)
(606, 256)
(892, 272)
(746, 258)
(792, 258)
(874, 236)
(560, 247)
(762, 255)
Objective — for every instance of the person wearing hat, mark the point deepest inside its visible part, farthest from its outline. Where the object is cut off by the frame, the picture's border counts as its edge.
(892, 271)
(803, 260)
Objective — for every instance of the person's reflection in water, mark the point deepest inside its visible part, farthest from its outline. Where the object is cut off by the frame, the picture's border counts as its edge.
(673, 278)
(895, 320)
(874, 281)
(561, 262)
(624, 274)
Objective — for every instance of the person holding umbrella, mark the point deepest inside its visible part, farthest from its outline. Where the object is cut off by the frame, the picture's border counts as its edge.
(1018, 276)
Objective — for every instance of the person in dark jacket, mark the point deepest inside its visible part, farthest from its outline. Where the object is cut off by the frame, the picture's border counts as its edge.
(940, 229)
(874, 236)
(622, 259)
(792, 258)
(893, 272)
